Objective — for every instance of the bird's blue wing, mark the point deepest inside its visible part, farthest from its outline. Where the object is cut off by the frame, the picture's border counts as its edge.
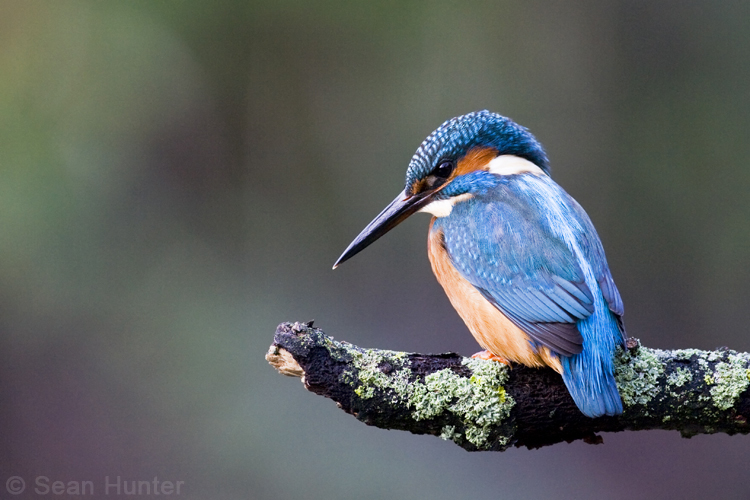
(594, 253)
(503, 248)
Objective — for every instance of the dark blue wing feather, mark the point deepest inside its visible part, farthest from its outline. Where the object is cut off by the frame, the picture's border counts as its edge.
(594, 253)
(563, 338)
(502, 248)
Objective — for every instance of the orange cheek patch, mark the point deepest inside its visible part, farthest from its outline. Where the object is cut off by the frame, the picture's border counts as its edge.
(475, 159)
(418, 186)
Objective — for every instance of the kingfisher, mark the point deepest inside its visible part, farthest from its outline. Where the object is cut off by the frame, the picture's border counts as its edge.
(517, 256)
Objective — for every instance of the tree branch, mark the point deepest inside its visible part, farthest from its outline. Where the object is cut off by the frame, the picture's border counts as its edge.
(484, 405)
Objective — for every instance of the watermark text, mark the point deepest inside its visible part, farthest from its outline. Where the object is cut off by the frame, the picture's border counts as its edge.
(109, 486)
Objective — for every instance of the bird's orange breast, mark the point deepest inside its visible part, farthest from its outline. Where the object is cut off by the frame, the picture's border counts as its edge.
(490, 327)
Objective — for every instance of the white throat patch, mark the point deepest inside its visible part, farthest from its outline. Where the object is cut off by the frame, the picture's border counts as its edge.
(443, 208)
(512, 164)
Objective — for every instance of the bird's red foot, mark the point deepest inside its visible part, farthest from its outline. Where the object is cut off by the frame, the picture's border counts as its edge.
(490, 357)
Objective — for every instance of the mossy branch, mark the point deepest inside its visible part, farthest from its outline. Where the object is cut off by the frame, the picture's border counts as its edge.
(484, 405)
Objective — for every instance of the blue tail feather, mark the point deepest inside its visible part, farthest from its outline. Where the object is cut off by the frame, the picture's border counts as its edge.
(593, 390)
(589, 376)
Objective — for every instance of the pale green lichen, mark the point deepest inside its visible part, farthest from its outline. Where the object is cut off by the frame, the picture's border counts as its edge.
(365, 392)
(370, 374)
(638, 375)
(686, 354)
(434, 396)
(714, 356)
(449, 433)
(702, 363)
(479, 402)
(730, 379)
(679, 377)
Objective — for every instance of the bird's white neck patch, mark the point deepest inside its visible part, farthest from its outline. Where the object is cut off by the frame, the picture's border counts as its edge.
(512, 164)
(443, 208)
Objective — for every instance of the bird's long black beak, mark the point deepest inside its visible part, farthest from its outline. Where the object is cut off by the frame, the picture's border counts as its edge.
(396, 212)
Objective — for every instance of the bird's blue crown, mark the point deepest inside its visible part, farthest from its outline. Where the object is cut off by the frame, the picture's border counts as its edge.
(457, 136)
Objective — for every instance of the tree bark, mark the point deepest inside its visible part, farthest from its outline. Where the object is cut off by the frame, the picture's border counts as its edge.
(486, 405)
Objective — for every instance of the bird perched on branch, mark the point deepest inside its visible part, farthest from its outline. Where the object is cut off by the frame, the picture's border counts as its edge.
(518, 257)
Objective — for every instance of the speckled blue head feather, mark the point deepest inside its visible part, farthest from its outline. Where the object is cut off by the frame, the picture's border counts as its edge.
(457, 136)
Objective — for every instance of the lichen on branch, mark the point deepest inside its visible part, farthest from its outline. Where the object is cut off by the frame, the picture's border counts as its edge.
(486, 405)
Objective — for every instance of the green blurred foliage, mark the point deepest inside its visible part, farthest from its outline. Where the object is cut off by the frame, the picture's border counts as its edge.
(176, 178)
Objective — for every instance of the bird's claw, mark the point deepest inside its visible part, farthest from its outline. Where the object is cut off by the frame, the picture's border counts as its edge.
(490, 357)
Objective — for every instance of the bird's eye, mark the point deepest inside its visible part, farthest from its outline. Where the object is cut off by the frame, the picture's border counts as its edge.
(444, 169)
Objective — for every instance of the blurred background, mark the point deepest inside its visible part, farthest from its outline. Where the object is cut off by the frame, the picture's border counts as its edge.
(178, 177)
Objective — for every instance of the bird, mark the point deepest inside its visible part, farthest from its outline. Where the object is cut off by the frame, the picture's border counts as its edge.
(517, 256)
